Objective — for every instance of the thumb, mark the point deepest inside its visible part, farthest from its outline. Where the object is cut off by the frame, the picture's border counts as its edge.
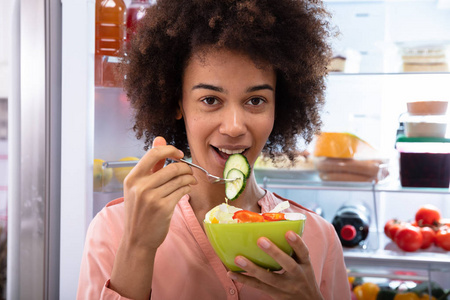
(159, 141)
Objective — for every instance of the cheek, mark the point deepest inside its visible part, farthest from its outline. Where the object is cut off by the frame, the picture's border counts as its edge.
(195, 126)
(265, 126)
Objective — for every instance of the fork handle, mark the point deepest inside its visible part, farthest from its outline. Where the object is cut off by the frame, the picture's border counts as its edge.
(191, 164)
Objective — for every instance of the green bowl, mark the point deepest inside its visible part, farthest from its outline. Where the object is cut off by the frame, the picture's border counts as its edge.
(231, 240)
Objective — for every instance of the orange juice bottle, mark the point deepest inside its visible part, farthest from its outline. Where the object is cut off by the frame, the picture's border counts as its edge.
(110, 33)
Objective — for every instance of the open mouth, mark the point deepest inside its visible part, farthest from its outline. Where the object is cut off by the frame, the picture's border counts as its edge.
(225, 153)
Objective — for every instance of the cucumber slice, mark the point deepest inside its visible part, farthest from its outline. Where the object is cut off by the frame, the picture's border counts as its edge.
(237, 161)
(234, 188)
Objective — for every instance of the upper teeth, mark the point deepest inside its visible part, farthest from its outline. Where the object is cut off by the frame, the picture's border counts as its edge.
(227, 151)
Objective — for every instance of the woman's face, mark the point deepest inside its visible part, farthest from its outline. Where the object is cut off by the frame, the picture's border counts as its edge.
(228, 107)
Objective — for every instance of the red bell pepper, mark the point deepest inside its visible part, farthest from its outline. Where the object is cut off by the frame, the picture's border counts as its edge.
(246, 216)
(273, 216)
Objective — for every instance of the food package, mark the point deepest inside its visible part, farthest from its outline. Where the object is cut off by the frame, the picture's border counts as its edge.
(341, 156)
(302, 161)
(348, 169)
(424, 57)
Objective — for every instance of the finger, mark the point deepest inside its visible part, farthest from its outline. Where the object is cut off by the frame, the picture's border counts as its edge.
(170, 201)
(174, 184)
(255, 276)
(168, 174)
(286, 261)
(159, 141)
(150, 162)
(299, 247)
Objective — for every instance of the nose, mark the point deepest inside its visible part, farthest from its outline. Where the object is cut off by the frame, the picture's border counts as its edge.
(233, 121)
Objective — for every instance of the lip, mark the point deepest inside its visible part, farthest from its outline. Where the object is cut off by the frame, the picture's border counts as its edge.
(221, 157)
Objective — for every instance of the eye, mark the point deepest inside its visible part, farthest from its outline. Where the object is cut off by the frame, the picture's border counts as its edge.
(255, 101)
(210, 100)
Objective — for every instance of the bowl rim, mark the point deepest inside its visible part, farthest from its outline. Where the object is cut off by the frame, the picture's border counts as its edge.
(302, 218)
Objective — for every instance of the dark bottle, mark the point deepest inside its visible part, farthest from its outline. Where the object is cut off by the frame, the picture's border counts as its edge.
(352, 223)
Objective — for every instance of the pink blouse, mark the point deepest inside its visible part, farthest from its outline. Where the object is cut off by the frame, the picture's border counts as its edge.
(186, 266)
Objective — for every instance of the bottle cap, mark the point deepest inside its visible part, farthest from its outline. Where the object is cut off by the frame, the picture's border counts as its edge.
(348, 232)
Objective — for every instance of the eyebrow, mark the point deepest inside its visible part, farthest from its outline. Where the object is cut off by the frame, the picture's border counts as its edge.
(208, 87)
(221, 90)
(260, 87)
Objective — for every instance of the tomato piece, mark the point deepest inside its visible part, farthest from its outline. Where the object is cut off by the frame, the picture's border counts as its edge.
(428, 236)
(428, 215)
(409, 238)
(246, 216)
(273, 216)
(442, 238)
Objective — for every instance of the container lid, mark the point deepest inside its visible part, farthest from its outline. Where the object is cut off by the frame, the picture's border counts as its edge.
(405, 139)
(423, 145)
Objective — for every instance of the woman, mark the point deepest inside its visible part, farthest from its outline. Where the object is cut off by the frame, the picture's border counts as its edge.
(206, 79)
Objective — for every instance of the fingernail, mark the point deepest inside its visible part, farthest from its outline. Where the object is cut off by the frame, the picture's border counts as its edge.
(292, 236)
(181, 153)
(263, 243)
(240, 261)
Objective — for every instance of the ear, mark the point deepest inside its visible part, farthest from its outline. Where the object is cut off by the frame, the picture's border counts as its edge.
(179, 114)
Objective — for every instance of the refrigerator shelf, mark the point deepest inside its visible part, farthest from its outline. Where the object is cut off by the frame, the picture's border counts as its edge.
(388, 186)
(432, 260)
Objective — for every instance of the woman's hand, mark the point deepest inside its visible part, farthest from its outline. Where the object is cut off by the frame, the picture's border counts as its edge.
(297, 281)
(151, 192)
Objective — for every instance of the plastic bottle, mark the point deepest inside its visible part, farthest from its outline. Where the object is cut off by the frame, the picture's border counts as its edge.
(135, 12)
(352, 221)
(110, 33)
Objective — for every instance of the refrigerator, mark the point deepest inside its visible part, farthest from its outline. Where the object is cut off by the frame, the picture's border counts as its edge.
(59, 122)
(53, 103)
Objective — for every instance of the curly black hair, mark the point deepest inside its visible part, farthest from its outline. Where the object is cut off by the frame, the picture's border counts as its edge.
(290, 35)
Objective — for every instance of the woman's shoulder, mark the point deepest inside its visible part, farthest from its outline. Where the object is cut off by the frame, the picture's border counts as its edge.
(110, 218)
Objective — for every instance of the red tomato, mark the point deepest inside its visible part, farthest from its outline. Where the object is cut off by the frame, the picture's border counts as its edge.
(428, 236)
(409, 238)
(442, 238)
(387, 225)
(394, 228)
(273, 216)
(246, 216)
(428, 215)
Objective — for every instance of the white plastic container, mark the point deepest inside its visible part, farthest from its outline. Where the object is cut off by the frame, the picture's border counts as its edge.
(424, 126)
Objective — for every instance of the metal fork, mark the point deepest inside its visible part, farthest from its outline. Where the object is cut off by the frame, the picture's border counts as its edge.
(211, 178)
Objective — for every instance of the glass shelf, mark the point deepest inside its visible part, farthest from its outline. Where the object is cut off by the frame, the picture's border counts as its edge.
(388, 186)
(388, 254)
(390, 36)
